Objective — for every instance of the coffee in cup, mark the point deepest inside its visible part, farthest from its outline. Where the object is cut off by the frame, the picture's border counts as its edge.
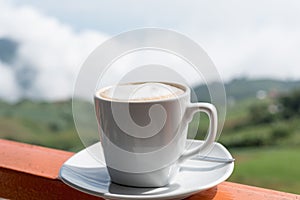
(149, 91)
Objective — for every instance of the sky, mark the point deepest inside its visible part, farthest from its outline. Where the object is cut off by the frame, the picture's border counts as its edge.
(256, 39)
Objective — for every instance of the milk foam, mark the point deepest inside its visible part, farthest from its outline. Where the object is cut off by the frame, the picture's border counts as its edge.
(142, 91)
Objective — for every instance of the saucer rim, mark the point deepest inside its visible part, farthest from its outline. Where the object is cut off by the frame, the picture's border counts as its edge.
(186, 193)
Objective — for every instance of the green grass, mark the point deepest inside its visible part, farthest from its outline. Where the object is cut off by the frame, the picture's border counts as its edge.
(274, 168)
(40, 123)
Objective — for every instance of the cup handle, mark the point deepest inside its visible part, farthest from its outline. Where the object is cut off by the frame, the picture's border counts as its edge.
(211, 111)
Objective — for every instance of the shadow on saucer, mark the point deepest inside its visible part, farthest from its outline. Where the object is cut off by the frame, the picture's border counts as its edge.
(91, 180)
(125, 190)
(97, 181)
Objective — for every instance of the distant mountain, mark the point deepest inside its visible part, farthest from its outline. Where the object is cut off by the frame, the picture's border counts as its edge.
(243, 88)
(8, 50)
(23, 72)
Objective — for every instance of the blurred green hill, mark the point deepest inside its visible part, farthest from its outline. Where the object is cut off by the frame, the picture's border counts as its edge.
(244, 88)
(249, 120)
(40, 123)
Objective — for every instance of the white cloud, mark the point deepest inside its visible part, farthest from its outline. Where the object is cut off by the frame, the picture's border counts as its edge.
(267, 52)
(49, 48)
(258, 38)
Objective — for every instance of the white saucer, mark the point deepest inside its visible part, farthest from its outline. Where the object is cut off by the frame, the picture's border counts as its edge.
(85, 173)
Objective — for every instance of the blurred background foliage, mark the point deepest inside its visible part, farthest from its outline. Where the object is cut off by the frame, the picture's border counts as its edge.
(261, 130)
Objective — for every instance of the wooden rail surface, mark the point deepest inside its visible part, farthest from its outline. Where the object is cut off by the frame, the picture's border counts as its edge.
(31, 172)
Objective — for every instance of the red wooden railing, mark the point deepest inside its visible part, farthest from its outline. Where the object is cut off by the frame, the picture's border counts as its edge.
(31, 172)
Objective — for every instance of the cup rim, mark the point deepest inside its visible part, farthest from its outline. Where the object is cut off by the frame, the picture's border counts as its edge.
(185, 88)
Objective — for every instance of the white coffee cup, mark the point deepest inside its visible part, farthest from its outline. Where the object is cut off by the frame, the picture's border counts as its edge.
(143, 131)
